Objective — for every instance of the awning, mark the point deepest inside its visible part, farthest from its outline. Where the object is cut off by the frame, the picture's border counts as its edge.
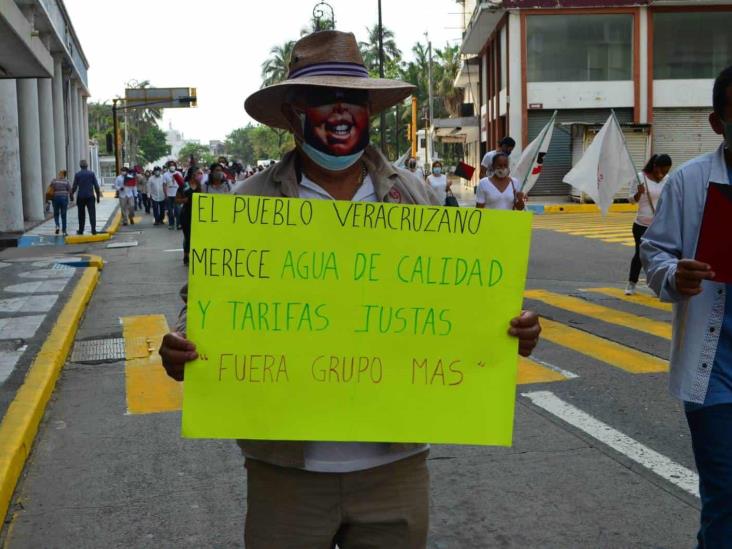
(456, 130)
(486, 16)
(469, 73)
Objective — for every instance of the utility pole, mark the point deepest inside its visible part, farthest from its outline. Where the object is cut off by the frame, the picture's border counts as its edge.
(430, 144)
(413, 127)
(382, 120)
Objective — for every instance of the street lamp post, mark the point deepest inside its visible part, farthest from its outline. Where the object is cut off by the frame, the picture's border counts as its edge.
(319, 14)
(382, 118)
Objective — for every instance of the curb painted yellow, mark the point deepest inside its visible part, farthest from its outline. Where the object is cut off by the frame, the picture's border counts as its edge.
(587, 208)
(20, 424)
(95, 261)
(99, 237)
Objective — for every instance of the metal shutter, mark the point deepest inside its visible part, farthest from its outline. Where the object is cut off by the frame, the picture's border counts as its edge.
(558, 161)
(683, 134)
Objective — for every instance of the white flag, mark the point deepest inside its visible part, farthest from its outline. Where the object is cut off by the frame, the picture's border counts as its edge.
(531, 162)
(605, 167)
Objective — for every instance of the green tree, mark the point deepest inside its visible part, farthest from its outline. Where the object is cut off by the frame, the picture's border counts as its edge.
(152, 145)
(370, 50)
(200, 153)
(100, 122)
(238, 145)
(275, 68)
(448, 66)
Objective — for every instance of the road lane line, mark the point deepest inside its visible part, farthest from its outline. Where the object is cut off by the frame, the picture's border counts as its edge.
(604, 350)
(149, 389)
(638, 299)
(600, 312)
(667, 469)
(532, 371)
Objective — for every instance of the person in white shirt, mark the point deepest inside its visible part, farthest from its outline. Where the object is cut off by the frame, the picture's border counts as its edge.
(645, 191)
(500, 190)
(505, 146)
(438, 181)
(126, 185)
(157, 195)
(172, 179)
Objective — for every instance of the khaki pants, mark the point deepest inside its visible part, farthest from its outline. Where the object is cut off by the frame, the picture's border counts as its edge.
(126, 207)
(382, 508)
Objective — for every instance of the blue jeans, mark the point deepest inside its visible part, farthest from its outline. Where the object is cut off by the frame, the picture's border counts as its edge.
(173, 211)
(711, 439)
(60, 207)
(158, 209)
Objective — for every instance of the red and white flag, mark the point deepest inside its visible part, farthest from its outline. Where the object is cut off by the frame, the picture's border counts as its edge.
(531, 163)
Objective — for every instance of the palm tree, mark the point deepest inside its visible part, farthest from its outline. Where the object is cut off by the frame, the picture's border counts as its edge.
(370, 49)
(275, 68)
(139, 121)
(449, 65)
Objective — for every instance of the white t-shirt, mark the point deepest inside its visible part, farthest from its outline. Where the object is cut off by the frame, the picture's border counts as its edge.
(171, 185)
(155, 188)
(438, 183)
(653, 189)
(346, 457)
(493, 199)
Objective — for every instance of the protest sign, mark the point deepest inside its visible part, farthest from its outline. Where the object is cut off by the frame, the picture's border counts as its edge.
(352, 321)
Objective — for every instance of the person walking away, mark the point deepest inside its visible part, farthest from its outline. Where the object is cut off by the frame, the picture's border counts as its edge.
(156, 195)
(413, 167)
(645, 191)
(438, 182)
(172, 180)
(217, 182)
(297, 491)
(60, 192)
(701, 346)
(498, 191)
(185, 199)
(87, 186)
(505, 146)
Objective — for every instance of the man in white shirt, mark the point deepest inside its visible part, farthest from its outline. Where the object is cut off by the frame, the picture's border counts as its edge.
(157, 195)
(172, 180)
(505, 146)
(126, 184)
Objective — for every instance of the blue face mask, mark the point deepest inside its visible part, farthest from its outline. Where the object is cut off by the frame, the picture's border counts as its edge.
(437, 171)
(328, 161)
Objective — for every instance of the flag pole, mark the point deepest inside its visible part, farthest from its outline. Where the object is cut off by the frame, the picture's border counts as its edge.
(625, 145)
(538, 150)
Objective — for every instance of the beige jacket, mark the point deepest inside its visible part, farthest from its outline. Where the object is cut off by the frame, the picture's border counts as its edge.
(391, 185)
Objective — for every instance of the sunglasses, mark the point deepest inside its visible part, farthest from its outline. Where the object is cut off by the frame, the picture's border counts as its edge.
(317, 97)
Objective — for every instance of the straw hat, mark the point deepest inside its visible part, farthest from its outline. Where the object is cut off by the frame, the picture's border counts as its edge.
(329, 59)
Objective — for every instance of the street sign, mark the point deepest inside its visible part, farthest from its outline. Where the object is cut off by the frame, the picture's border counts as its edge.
(163, 98)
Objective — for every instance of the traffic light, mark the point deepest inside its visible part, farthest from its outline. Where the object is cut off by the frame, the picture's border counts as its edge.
(193, 98)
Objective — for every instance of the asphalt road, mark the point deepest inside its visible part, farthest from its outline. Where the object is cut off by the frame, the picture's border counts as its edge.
(99, 477)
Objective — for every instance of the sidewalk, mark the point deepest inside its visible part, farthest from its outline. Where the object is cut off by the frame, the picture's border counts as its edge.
(44, 234)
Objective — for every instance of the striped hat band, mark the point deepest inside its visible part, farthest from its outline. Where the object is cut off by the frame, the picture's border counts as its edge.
(331, 69)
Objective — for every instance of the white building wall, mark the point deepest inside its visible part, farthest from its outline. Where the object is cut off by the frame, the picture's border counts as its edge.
(515, 100)
(682, 93)
(580, 95)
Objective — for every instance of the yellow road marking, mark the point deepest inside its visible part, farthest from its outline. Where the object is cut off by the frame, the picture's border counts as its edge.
(149, 389)
(587, 232)
(530, 371)
(604, 350)
(638, 299)
(600, 312)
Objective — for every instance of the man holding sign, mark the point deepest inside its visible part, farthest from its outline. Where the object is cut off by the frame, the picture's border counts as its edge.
(315, 494)
(686, 255)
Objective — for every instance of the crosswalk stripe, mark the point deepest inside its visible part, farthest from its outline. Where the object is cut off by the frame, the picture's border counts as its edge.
(638, 299)
(590, 232)
(530, 371)
(604, 350)
(600, 312)
(149, 389)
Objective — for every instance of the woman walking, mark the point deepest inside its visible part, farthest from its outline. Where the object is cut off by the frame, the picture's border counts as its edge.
(645, 192)
(185, 199)
(60, 190)
(498, 192)
(439, 183)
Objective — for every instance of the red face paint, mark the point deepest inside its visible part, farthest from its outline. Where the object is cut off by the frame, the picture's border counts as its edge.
(338, 129)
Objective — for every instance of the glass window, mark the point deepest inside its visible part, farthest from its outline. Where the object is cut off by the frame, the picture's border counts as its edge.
(691, 45)
(579, 48)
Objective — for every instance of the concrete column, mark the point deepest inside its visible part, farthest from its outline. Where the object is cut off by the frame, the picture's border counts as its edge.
(11, 206)
(515, 100)
(30, 149)
(73, 106)
(77, 127)
(643, 107)
(85, 128)
(69, 139)
(45, 115)
(59, 122)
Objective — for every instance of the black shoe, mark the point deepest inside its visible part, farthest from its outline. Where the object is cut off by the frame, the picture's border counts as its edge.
(79, 232)
(94, 232)
(56, 230)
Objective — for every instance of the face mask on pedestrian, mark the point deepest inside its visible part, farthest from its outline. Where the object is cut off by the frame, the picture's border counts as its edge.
(156, 173)
(218, 176)
(437, 170)
(171, 169)
(502, 172)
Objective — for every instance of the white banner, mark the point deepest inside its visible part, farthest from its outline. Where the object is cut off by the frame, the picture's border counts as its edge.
(530, 164)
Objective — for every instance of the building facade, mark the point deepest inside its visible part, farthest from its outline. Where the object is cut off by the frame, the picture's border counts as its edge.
(43, 105)
(652, 62)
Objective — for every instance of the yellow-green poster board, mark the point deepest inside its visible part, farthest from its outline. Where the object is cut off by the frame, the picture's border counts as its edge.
(346, 321)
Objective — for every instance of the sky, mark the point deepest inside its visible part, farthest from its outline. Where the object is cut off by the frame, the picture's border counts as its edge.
(218, 46)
